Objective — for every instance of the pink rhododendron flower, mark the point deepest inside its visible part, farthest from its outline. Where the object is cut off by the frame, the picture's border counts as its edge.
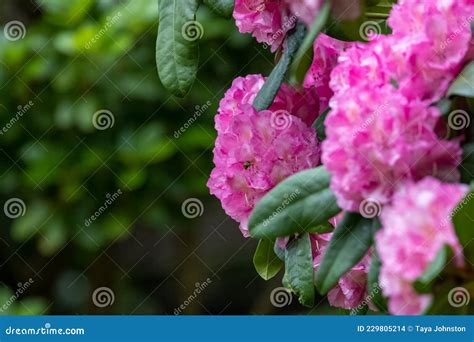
(254, 151)
(376, 139)
(267, 20)
(270, 20)
(306, 10)
(326, 52)
(350, 291)
(429, 42)
(415, 227)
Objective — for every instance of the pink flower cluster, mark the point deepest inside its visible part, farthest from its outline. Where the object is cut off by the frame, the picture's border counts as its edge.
(350, 291)
(382, 129)
(415, 227)
(270, 20)
(256, 150)
(326, 52)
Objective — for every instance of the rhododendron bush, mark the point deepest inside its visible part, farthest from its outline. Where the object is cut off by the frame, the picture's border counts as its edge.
(352, 162)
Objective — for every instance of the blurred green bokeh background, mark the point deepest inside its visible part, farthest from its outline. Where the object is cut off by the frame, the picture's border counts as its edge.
(64, 169)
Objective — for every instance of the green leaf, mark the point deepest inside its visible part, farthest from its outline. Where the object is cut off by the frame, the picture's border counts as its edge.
(350, 242)
(177, 54)
(301, 203)
(319, 124)
(463, 220)
(425, 282)
(373, 285)
(265, 260)
(222, 7)
(463, 85)
(467, 166)
(273, 83)
(304, 57)
(299, 272)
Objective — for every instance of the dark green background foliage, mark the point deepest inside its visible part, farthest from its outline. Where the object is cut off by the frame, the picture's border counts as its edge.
(52, 157)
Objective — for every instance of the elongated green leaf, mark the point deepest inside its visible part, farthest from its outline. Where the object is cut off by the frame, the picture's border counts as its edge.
(222, 7)
(373, 285)
(304, 57)
(265, 260)
(273, 83)
(301, 203)
(351, 241)
(463, 220)
(177, 54)
(463, 85)
(319, 124)
(425, 282)
(299, 272)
